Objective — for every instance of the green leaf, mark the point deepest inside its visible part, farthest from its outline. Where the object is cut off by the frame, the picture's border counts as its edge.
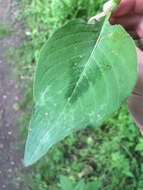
(80, 185)
(117, 1)
(139, 146)
(83, 75)
(66, 183)
(93, 185)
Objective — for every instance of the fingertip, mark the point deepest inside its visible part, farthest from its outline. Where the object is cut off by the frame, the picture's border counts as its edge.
(125, 7)
(112, 20)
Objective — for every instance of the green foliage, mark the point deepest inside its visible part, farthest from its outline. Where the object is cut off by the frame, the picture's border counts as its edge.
(66, 183)
(4, 30)
(117, 1)
(110, 155)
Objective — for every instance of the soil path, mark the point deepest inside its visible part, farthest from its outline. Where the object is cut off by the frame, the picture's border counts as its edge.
(10, 161)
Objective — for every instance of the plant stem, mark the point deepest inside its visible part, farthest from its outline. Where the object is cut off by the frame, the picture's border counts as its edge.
(111, 5)
(117, 1)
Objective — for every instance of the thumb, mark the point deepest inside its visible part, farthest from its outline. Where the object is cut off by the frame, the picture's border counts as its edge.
(135, 101)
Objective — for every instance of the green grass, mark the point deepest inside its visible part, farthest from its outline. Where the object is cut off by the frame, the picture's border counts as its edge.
(4, 30)
(111, 154)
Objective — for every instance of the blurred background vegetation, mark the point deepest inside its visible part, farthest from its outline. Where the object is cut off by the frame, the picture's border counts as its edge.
(110, 155)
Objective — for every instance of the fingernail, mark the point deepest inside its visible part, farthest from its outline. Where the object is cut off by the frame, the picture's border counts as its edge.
(112, 20)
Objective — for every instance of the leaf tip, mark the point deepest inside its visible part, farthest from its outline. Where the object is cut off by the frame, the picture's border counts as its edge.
(29, 159)
(27, 162)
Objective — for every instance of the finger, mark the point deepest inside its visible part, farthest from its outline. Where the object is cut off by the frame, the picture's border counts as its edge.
(124, 8)
(135, 105)
(140, 34)
(139, 84)
(140, 28)
(141, 131)
(135, 101)
(128, 21)
(141, 44)
(138, 7)
(127, 6)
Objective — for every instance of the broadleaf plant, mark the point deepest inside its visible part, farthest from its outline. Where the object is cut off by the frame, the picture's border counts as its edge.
(85, 72)
(66, 183)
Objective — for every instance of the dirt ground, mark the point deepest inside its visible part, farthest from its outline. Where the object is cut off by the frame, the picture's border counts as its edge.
(10, 161)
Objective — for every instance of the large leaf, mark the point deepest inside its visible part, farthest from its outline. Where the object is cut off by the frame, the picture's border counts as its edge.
(66, 183)
(93, 185)
(83, 75)
(80, 185)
